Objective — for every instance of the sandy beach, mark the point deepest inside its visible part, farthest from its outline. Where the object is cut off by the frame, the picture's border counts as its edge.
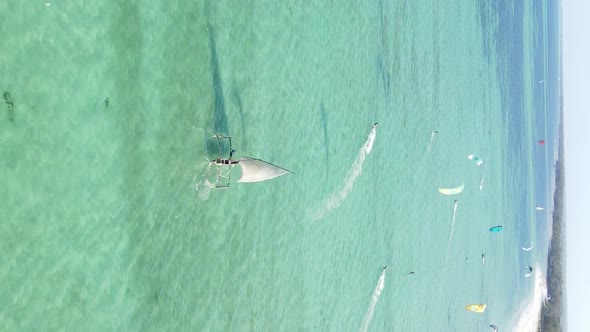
(530, 310)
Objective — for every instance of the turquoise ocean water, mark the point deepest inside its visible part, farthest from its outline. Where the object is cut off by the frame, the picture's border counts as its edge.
(108, 221)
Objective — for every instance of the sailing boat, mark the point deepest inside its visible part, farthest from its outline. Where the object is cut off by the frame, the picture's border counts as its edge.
(253, 169)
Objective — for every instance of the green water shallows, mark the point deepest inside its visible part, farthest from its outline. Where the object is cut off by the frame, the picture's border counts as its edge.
(108, 224)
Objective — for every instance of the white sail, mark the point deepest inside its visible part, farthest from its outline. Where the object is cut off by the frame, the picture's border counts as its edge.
(256, 170)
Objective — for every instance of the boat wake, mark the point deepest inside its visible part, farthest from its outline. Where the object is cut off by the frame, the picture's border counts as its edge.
(203, 187)
(452, 227)
(432, 138)
(374, 300)
(483, 173)
(336, 198)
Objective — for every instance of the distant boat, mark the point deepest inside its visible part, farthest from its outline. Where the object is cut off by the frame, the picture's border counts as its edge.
(540, 208)
(253, 170)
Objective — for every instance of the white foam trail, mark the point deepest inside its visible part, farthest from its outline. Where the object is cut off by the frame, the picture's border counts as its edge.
(204, 189)
(336, 198)
(452, 227)
(483, 173)
(374, 299)
(432, 138)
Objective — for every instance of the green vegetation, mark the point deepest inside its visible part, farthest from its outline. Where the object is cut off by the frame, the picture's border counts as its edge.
(553, 315)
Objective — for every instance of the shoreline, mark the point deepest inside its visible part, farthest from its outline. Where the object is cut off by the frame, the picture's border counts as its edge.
(529, 318)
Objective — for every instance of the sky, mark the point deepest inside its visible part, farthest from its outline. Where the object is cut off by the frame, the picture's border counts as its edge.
(576, 70)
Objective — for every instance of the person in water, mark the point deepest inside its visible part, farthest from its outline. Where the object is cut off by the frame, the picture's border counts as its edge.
(230, 161)
(220, 161)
